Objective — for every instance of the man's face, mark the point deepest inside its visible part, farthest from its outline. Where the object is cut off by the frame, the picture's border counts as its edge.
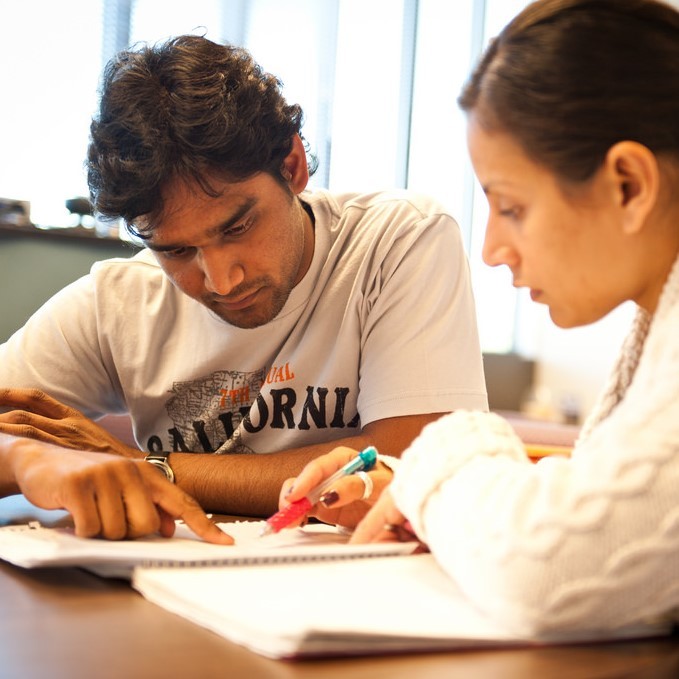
(241, 253)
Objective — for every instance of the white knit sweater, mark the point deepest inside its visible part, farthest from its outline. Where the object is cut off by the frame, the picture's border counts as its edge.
(586, 543)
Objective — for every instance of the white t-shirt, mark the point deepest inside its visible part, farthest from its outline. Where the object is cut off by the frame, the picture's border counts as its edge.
(382, 325)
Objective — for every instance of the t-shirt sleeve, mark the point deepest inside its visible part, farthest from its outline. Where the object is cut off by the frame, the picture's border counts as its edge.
(421, 351)
(59, 351)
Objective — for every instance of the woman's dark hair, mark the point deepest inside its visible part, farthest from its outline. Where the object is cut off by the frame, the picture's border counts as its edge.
(187, 108)
(570, 78)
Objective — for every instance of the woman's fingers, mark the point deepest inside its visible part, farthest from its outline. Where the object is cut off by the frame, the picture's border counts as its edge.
(317, 471)
(382, 523)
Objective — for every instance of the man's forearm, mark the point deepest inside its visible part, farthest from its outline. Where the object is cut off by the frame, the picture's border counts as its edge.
(234, 484)
(249, 485)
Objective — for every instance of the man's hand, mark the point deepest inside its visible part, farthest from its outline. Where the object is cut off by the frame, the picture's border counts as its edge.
(108, 496)
(36, 415)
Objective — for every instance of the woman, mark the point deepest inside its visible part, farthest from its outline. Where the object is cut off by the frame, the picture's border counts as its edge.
(573, 131)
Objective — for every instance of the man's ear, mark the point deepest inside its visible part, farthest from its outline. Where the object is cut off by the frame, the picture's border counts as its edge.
(636, 179)
(295, 170)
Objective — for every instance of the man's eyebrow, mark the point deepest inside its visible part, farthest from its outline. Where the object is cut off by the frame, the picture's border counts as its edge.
(240, 212)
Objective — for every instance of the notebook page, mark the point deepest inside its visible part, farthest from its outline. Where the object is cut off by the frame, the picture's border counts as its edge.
(32, 545)
(348, 607)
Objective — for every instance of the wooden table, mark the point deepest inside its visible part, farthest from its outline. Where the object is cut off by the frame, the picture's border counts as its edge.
(67, 623)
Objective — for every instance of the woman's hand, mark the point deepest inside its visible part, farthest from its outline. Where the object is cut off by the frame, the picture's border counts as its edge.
(343, 503)
(383, 523)
(36, 415)
(107, 495)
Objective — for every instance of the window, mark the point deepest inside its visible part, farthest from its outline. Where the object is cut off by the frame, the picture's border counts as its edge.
(449, 39)
(48, 82)
(377, 79)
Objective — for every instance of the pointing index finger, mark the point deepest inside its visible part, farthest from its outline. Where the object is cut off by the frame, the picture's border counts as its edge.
(180, 505)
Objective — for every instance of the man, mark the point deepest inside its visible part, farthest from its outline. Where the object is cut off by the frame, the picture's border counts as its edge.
(261, 317)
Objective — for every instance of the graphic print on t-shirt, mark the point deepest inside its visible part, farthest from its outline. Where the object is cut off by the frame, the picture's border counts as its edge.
(214, 413)
(206, 412)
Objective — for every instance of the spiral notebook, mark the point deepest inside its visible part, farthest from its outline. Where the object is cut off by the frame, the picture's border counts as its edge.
(32, 545)
(349, 607)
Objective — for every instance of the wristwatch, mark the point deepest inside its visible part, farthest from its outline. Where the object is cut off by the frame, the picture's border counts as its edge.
(160, 460)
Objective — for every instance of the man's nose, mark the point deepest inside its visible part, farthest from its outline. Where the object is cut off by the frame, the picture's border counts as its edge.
(222, 272)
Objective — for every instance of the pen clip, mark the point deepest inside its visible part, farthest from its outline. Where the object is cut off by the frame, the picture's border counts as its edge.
(369, 457)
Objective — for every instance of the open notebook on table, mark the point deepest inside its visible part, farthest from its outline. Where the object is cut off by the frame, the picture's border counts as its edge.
(350, 607)
(32, 545)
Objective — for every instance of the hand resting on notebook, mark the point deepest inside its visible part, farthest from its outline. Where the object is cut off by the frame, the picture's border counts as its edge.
(108, 496)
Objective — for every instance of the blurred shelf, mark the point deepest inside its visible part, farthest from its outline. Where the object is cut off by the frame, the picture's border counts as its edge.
(71, 234)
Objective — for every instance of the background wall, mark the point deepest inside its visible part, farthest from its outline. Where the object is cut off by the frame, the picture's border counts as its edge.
(35, 266)
(571, 365)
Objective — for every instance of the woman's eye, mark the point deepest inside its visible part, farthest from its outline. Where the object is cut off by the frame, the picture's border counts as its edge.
(510, 213)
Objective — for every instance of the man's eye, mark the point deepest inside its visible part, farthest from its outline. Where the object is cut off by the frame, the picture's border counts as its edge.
(177, 253)
(239, 229)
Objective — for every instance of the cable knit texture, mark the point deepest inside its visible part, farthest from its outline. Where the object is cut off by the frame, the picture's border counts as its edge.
(586, 543)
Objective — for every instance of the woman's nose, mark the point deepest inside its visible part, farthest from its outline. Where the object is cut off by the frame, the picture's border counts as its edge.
(497, 250)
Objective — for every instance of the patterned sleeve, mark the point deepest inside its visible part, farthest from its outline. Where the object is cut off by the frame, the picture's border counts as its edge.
(590, 542)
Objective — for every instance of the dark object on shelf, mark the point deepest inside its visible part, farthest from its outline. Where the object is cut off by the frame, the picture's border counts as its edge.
(80, 206)
(509, 378)
(15, 212)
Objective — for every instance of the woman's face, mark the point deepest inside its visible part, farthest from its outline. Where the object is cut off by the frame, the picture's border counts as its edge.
(567, 249)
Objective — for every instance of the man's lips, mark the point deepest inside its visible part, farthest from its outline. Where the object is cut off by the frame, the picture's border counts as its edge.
(237, 304)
